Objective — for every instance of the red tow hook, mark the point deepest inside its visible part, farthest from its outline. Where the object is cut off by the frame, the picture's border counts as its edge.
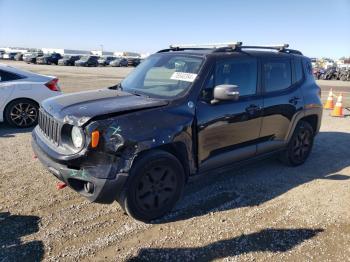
(61, 185)
(35, 157)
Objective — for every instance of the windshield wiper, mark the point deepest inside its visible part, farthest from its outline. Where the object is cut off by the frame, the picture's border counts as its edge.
(137, 94)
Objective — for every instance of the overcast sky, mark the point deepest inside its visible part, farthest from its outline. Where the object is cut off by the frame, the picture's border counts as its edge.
(316, 27)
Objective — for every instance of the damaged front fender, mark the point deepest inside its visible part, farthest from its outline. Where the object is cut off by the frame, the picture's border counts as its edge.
(127, 136)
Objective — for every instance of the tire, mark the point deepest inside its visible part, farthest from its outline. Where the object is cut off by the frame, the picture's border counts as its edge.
(155, 177)
(299, 146)
(22, 113)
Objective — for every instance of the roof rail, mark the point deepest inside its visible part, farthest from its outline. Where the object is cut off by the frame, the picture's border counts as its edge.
(229, 47)
(281, 48)
(271, 47)
(209, 46)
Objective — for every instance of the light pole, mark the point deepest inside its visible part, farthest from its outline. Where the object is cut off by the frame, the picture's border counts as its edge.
(101, 49)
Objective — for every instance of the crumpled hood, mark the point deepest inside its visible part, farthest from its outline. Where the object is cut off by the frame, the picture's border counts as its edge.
(79, 108)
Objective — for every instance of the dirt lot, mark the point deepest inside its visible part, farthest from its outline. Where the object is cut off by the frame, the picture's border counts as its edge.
(261, 212)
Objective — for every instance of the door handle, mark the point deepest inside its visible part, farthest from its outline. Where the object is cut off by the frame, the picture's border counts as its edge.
(253, 109)
(294, 100)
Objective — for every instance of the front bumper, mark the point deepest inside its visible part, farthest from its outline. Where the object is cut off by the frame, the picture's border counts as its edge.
(84, 179)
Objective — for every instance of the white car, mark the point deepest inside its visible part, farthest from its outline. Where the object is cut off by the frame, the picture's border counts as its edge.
(21, 93)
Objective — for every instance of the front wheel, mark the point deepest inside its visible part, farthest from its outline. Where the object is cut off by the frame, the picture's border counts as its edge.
(300, 145)
(22, 113)
(156, 183)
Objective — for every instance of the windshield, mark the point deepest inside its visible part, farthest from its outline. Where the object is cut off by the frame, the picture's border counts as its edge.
(67, 57)
(163, 75)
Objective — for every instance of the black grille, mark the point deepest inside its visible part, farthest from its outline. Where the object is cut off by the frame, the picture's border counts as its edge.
(50, 127)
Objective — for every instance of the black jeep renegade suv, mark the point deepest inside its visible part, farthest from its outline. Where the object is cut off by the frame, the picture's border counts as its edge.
(182, 112)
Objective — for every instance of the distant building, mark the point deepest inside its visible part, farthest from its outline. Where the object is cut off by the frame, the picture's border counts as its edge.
(343, 63)
(65, 51)
(101, 53)
(127, 54)
(15, 49)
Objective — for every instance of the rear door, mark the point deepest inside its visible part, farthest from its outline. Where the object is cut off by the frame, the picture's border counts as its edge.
(229, 130)
(281, 81)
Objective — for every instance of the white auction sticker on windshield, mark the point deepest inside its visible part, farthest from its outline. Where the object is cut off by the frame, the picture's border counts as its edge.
(182, 76)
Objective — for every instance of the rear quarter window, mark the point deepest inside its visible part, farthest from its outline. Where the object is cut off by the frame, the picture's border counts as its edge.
(8, 76)
(298, 67)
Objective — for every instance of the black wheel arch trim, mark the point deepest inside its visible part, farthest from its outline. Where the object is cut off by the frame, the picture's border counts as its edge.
(315, 111)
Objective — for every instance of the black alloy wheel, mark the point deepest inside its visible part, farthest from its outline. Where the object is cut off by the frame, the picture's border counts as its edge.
(155, 188)
(300, 145)
(155, 184)
(22, 113)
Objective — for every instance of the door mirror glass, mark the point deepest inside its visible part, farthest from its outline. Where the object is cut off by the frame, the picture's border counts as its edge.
(225, 93)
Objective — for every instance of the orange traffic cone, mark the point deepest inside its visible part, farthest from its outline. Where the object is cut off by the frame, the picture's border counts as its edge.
(338, 109)
(329, 103)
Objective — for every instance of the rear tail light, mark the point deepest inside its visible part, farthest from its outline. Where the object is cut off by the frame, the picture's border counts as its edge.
(53, 85)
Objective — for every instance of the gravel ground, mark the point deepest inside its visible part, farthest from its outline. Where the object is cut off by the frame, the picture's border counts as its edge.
(260, 212)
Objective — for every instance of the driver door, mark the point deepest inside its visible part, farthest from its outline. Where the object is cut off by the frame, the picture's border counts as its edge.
(228, 131)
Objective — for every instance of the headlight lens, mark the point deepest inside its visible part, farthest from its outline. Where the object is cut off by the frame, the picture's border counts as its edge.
(77, 137)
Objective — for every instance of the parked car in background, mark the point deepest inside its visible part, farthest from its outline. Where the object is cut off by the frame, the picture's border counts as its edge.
(330, 74)
(2, 52)
(133, 61)
(105, 60)
(49, 59)
(19, 57)
(68, 60)
(88, 60)
(9, 56)
(119, 61)
(30, 58)
(21, 93)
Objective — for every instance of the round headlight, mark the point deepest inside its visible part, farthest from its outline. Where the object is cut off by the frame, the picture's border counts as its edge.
(77, 137)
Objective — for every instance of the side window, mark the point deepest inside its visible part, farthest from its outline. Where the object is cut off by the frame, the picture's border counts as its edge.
(7, 76)
(277, 75)
(240, 71)
(299, 75)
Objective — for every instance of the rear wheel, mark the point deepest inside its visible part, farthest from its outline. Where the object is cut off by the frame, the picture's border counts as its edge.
(22, 113)
(156, 183)
(300, 145)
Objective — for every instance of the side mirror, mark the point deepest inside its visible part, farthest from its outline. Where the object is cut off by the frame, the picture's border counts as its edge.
(225, 93)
